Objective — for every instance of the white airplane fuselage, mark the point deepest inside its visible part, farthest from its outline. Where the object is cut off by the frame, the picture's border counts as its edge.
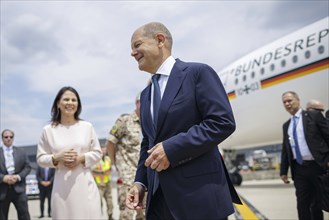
(297, 62)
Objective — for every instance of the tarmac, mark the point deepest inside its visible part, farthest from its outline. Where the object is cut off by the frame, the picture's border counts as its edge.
(263, 199)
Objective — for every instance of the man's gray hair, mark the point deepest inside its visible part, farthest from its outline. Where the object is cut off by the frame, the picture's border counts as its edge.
(153, 28)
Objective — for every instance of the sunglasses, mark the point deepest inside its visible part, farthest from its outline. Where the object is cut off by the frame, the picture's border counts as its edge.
(11, 137)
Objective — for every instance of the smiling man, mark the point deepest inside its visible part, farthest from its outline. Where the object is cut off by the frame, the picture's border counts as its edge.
(185, 114)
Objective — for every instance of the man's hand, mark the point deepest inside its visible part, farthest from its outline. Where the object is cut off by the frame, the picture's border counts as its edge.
(157, 159)
(135, 196)
(7, 179)
(10, 179)
(45, 183)
(285, 179)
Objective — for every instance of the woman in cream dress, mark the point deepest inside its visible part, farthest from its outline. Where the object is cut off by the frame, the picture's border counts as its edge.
(72, 147)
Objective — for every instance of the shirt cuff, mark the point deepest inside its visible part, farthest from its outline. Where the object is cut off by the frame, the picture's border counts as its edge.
(142, 185)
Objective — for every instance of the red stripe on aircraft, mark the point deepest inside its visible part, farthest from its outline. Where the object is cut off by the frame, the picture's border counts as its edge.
(302, 71)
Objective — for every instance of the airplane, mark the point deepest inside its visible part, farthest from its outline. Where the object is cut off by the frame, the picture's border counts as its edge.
(255, 83)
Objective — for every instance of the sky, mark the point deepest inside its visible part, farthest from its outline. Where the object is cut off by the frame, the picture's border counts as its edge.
(46, 45)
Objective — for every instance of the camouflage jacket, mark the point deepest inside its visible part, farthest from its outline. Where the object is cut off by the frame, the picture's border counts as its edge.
(126, 135)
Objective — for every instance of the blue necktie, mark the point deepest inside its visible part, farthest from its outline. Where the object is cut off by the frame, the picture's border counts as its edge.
(156, 98)
(299, 157)
(46, 174)
(156, 106)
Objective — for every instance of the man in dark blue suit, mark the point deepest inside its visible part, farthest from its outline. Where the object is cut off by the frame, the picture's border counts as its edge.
(14, 167)
(45, 177)
(305, 150)
(180, 165)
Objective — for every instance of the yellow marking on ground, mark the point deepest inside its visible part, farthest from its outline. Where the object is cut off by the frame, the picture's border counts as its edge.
(246, 212)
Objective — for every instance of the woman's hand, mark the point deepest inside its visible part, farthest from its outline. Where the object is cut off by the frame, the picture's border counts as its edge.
(69, 158)
(72, 163)
(65, 156)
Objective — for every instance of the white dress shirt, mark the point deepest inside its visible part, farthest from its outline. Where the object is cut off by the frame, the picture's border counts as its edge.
(9, 158)
(304, 149)
(164, 70)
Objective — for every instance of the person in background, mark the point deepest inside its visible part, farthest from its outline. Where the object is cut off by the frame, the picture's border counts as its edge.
(123, 144)
(45, 177)
(305, 150)
(102, 176)
(14, 167)
(314, 105)
(70, 145)
(185, 114)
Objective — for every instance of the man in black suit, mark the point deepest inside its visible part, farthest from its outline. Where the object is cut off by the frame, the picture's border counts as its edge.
(45, 177)
(14, 167)
(305, 150)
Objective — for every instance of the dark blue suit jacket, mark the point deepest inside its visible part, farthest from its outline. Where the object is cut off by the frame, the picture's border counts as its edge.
(194, 117)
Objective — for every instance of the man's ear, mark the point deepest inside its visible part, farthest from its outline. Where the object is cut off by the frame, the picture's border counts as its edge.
(161, 39)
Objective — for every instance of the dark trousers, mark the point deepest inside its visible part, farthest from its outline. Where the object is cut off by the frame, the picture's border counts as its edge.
(158, 209)
(306, 184)
(45, 192)
(20, 203)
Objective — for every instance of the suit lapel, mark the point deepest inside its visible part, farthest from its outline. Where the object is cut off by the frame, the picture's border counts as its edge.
(286, 139)
(16, 160)
(174, 83)
(2, 161)
(305, 120)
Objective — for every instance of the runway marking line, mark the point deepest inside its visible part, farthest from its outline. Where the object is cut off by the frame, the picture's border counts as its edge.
(247, 211)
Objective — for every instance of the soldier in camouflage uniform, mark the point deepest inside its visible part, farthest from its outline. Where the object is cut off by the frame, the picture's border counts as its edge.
(123, 144)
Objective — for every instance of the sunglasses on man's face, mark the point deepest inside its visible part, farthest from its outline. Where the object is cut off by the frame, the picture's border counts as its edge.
(11, 137)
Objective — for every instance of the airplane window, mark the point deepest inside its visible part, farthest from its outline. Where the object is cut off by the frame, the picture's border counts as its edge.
(321, 49)
(244, 77)
(253, 74)
(295, 59)
(307, 54)
(283, 63)
(272, 67)
(236, 81)
(262, 70)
